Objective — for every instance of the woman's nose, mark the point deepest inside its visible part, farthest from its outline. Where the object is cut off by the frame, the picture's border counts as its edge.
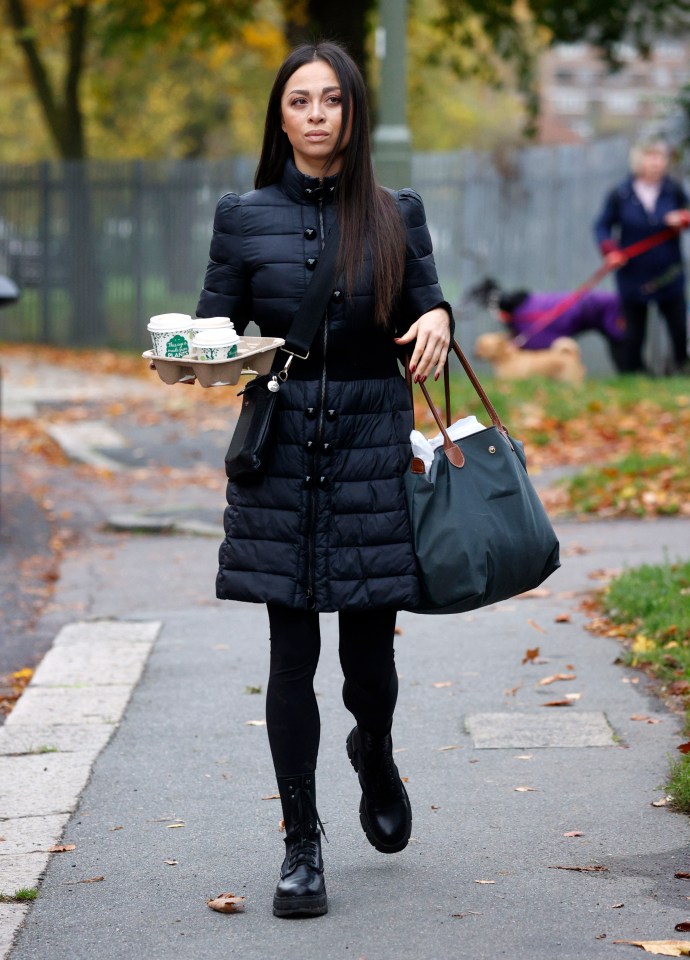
(316, 114)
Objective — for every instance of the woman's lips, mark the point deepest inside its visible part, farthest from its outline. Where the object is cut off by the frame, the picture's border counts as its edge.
(316, 136)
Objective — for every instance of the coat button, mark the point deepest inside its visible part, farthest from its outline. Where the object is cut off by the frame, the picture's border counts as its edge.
(308, 482)
(308, 193)
(337, 296)
(310, 233)
(310, 413)
(331, 415)
(310, 264)
(324, 483)
(327, 447)
(309, 445)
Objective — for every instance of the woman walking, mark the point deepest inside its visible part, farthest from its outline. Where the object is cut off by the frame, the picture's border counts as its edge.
(645, 203)
(326, 527)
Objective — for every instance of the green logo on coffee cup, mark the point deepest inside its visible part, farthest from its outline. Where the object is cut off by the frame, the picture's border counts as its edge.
(177, 346)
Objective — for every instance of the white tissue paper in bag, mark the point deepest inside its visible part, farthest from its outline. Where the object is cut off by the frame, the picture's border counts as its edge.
(424, 449)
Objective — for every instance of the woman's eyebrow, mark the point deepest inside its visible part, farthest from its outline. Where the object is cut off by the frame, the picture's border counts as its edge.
(305, 93)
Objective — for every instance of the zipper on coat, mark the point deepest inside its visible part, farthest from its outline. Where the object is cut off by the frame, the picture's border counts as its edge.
(311, 595)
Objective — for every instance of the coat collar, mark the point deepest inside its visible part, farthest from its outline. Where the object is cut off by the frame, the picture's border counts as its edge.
(304, 189)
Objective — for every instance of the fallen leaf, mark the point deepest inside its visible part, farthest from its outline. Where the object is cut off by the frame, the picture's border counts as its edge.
(683, 926)
(255, 723)
(171, 863)
(116, 828)
(562, 618)
(174, 826)
(467, 913)
(616, 906)
(679, 687)
(512, 691)
(644, 718)
(681, 875)
(452, 746)
(569, 666)
(252, 689)
(537, 592)
(398, 631)
(271, 796)
(62, 848)
(227, 903)
(574, 833)
(545, 681)
(530, 655)
(573, 696)
(525, 789)
(661, 802)
(281, 825)
(594, 869)
(435, 807)
(662, 948)
(485, 881)
(684, 747)
(405, 779)
(558, 703)
(524, 756)
(91, 880)
(442, 683)
(536, 626)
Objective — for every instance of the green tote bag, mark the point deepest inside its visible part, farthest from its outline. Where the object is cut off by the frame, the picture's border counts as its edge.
(479, 530)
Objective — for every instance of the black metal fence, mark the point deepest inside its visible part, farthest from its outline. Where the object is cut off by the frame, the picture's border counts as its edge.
(98, 247)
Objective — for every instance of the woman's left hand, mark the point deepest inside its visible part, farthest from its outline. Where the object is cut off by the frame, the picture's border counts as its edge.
(432, 335)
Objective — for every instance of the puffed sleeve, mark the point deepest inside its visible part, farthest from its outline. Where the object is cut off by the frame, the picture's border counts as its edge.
(421, 290)
(226, 291)
(607, 221)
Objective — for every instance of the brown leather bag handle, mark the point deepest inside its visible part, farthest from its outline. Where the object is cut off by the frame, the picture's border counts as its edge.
(448, 445)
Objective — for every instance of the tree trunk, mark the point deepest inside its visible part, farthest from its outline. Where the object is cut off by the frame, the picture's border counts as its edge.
(346, 23)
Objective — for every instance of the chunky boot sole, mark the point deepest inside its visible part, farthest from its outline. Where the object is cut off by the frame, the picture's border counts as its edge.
(300, 906)
(364, 817)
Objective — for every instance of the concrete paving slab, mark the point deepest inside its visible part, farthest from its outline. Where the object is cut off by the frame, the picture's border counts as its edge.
(87, 441)
(22, 738)
(22, 872)
(31, 834)
(60, 705)
(42, 785)
(503, 731)
(93, 664)
(119, 632)
(11, 917)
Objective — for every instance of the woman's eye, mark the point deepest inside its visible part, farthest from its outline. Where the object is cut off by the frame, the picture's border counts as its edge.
(334, 99)
(298, 101)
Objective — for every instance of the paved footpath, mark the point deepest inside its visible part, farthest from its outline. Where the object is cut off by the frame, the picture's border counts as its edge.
(164, 795)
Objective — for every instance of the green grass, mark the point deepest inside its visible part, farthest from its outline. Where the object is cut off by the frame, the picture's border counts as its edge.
(23, 895)
(651, 604)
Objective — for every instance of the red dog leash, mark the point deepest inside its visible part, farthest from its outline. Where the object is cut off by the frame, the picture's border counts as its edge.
(634, 250)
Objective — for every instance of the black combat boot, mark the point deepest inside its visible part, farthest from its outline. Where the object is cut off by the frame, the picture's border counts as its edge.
(301, 890)
(384, 811)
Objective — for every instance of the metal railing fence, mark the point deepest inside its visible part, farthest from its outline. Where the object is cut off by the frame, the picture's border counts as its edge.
(98, 247)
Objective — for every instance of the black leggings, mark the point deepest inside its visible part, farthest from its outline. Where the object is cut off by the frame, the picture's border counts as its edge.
(370, 689)
(674, 312)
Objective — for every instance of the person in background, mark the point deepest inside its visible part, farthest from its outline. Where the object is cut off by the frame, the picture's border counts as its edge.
(521, 311)
(326, 526)
(645, 203)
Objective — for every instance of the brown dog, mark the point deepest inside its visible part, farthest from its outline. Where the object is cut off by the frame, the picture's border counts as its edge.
(560, 362)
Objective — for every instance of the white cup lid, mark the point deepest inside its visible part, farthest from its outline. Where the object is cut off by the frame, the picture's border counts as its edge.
(170, 321)
(211, 323)
(219, 337)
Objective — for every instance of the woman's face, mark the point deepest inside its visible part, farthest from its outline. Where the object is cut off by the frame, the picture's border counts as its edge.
(653, 165)
(311, 109)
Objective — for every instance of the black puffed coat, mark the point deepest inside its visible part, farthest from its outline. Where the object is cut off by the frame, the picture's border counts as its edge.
(326, 528)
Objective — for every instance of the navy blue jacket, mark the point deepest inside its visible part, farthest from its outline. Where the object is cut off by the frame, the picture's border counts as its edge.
(657, 274)
(326, 528)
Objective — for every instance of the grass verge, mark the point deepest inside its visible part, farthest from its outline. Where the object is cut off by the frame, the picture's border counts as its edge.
(648, 608)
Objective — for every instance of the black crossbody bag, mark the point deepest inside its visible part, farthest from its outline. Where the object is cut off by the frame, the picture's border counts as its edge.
(252, 440)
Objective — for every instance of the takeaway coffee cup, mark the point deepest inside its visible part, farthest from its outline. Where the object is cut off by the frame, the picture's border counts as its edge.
(210, 323)
(216, 344)
(171, 334)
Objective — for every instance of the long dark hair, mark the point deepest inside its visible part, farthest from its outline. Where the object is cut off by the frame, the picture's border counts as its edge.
(367, 214)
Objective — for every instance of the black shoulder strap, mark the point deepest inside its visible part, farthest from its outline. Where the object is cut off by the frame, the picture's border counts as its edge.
(309, 315)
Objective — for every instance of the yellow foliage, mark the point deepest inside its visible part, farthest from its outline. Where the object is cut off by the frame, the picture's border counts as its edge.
(642, 644)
